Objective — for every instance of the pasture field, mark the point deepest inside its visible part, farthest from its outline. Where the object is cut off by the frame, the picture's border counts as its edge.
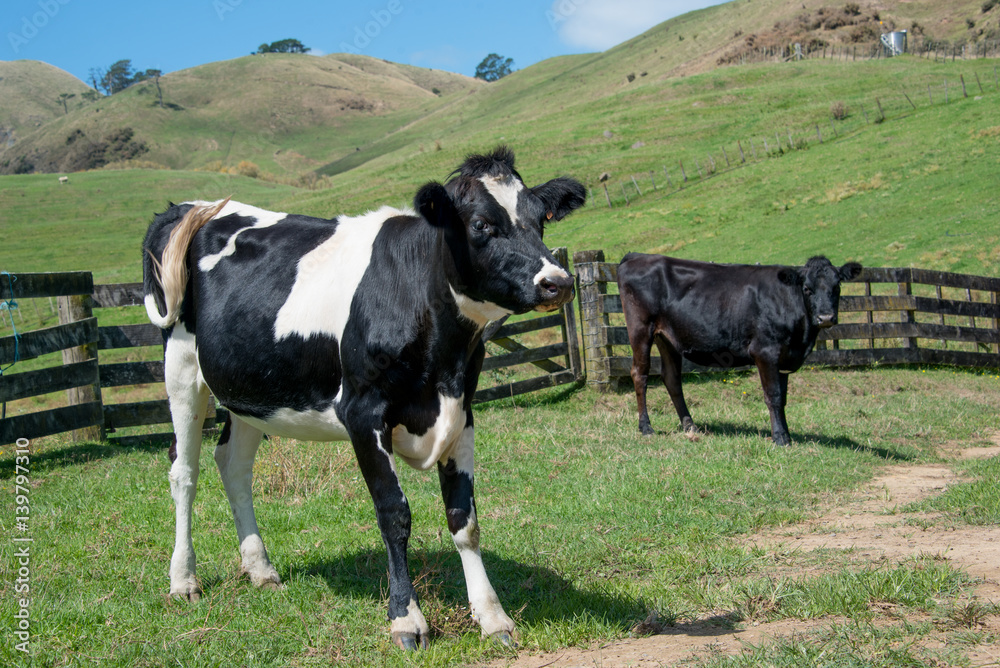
(915, 190)
(590, 533)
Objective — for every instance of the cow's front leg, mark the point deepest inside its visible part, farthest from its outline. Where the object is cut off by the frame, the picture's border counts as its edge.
(457, 482)
(775, 386)
(373, 447)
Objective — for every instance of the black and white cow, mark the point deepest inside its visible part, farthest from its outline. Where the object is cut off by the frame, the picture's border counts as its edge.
(364, 328)
(726, 315)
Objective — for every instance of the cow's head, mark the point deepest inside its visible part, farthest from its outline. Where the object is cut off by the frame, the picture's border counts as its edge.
(820, 281)
(496, 262)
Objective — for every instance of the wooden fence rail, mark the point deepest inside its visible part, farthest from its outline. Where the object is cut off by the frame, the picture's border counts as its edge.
(897, 328)
(83, 376)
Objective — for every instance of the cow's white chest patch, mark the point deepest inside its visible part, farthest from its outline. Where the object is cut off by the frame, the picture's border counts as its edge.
(261, 218)
(327, 277)
(478, 312)
(437, 444)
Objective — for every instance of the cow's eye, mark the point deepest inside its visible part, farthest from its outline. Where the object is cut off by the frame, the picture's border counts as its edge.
(481, 226)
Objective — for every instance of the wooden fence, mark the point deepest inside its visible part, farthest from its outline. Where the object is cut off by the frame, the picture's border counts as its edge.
(83, 375)
(887, 316)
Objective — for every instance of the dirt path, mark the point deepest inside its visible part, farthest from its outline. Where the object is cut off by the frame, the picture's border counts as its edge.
(866, 525)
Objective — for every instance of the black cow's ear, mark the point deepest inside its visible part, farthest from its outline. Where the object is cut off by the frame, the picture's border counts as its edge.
(561, 196)
(790, 276)
(433, 203)
(849, 271)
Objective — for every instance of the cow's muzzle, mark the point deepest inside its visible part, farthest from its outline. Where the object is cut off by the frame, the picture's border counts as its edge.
(826, 320)
(555, 291)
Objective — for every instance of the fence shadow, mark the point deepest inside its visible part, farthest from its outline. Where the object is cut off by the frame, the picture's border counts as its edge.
(81, 453)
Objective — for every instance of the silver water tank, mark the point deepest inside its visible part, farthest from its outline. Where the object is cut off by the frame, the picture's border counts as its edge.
(894, 43)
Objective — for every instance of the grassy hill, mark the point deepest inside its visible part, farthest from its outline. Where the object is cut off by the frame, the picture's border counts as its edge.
(286, 113)
(293, 115)
(29, 97)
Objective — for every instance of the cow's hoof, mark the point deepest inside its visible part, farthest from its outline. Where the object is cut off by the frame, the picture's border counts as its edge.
(506, 639)
(192, 594)
(647, 431)
(410, 641)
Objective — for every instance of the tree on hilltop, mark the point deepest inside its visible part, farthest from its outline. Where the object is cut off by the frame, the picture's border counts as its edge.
(283, 46)
(494, 67)
(65, 97)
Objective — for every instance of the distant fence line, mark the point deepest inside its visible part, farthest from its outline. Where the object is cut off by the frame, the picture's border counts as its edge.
(920, 47)
(676, 173)
(894, 324)
(91, 417)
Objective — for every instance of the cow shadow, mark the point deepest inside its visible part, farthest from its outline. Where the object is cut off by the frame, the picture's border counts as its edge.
(531, 593)
(799, 438)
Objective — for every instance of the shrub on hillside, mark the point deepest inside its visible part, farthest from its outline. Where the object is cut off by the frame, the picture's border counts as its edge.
(838, 110)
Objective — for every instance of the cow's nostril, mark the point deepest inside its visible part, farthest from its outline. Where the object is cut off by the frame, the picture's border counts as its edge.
(549, 286)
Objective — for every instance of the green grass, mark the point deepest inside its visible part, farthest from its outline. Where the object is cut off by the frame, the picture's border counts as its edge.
(586, 529)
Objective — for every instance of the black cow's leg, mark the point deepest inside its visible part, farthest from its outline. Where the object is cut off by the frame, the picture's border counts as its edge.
(373, 447)
(457, 489)
(672, 362)
(775, 386)
(641, 340)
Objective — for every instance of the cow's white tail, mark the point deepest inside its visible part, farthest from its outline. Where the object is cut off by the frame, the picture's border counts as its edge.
(171, 270)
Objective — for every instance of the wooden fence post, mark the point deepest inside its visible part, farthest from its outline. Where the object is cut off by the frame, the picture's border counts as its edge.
(569, 329)
(908, 316)
(71, 309)
(593, 320)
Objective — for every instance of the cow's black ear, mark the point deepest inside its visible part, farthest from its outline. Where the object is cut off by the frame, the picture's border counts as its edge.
(790, 276)
(561, 196)
(433, 203)
(849, 271)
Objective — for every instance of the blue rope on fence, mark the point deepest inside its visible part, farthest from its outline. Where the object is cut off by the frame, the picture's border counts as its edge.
(9, 305)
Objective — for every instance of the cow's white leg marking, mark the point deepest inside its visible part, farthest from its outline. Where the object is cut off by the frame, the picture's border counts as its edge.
(483, 600)
(188, 401)
(235, 459)
(412, 624)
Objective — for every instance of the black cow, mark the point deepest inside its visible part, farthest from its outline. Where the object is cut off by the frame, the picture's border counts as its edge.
(726, 315)
(364, 328)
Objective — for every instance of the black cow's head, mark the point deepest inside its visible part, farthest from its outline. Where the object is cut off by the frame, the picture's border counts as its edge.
(493, 224)
(820, 284)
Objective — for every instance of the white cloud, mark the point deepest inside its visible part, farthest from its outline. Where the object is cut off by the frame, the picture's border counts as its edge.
(601, 24)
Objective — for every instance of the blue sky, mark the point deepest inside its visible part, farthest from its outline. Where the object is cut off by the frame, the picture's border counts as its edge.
(77, 35)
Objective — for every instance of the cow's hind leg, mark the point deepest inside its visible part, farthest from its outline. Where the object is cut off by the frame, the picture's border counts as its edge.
(640, 338)
(188, 398)
(234, 456)
(457, 488)
(672, 362)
